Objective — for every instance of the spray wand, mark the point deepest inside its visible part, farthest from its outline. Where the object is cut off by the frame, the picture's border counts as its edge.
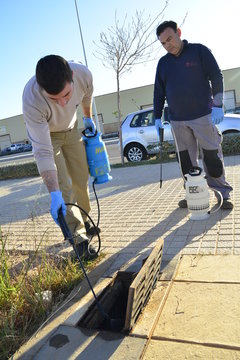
(161, 133)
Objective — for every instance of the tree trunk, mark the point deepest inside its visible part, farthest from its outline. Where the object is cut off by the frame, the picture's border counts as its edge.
(119, 120)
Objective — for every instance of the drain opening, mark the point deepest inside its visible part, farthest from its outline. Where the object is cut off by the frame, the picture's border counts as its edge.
(127, 295)
(113, 300)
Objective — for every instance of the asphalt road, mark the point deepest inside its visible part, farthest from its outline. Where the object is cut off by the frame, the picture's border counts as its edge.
(111, 146)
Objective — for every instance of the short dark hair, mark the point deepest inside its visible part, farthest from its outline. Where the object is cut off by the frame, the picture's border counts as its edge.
(52, 73)
(165, 25)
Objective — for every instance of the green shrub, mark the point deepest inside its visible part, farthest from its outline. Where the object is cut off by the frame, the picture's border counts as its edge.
(14, 171)
(231, 144)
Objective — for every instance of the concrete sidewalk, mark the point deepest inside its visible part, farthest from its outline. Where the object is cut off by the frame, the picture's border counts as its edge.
(135, 214)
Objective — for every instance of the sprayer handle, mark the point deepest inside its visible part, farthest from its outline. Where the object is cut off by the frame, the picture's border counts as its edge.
(195, 171)
(84, 132)
(64, 227)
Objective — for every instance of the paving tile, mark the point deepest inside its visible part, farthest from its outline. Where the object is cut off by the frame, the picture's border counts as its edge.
(193, 313)
(224, 251)
(166, 350)
(217, 268)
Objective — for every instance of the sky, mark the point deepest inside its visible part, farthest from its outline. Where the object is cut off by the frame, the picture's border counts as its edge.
(31, 29)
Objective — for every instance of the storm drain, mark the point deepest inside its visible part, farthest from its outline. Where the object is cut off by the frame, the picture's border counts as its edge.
(127, 295)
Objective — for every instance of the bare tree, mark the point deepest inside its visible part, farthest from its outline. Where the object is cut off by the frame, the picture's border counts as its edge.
(126, 45)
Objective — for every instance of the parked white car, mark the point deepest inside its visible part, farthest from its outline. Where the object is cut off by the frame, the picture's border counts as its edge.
(138, 132)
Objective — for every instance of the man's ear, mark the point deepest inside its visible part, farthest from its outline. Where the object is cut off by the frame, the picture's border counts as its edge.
(179, 32)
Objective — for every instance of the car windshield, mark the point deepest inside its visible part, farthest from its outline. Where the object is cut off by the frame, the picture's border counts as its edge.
(143, 119)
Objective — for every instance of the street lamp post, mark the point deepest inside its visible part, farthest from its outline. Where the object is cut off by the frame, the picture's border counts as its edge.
(85, 58)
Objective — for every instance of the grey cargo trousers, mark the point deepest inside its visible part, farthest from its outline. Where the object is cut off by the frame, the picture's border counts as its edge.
(202, 134)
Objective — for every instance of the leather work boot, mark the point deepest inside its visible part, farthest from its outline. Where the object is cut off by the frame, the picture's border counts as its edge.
(91, 230)
(86, 251)
(182, 204)
(227, 204)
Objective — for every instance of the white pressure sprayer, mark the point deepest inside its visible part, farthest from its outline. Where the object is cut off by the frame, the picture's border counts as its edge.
(197, 194)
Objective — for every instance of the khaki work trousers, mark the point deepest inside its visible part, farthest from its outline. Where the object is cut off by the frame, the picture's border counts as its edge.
(71, 162)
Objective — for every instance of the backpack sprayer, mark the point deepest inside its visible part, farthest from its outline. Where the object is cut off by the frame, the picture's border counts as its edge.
(197, 189)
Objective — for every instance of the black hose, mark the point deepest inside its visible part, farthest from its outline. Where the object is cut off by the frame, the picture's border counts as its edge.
(92, 222)
(98, 206)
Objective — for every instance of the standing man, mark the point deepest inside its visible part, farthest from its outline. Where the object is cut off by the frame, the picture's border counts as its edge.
(189, 78)
(50, 102)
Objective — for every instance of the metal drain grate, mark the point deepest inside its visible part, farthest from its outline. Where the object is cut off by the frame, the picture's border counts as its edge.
(141, 288)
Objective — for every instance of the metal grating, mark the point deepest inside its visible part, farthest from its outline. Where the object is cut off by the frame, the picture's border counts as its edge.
(143, 285)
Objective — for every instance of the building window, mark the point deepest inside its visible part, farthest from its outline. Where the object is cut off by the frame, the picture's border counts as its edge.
(145, 106)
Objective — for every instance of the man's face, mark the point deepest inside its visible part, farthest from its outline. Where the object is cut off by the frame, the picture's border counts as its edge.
(171, 41)
(63, 97)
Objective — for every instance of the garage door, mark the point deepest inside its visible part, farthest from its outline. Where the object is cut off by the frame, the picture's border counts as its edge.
(229, 100)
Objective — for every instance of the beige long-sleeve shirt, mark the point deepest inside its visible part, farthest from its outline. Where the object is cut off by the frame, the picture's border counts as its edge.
(42, 116)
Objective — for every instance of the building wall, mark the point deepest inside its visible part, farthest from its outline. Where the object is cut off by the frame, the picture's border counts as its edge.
(232, 82)
(15, 127)
(106, 105)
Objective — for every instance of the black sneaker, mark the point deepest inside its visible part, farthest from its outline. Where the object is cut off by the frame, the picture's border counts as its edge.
(91, 230)
(86, 251)
(183, 204)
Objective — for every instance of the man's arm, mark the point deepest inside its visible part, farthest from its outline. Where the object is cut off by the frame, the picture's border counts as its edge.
(50, 179)
(158, 95)
(87, 110)
(214, 74)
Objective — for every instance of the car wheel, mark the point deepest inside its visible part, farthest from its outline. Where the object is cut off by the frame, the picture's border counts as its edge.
(230, 132)
(135, 152)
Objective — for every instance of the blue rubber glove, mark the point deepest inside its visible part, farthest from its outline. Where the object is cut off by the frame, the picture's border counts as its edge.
(89, 124)
(57, 203)
(217, 115)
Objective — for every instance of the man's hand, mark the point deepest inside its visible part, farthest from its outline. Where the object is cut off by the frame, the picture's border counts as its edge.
(158, 125)
(217, 115)
(89, 124)
(57, 203)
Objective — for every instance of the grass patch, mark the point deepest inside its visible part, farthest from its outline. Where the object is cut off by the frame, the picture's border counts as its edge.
(31, 290)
